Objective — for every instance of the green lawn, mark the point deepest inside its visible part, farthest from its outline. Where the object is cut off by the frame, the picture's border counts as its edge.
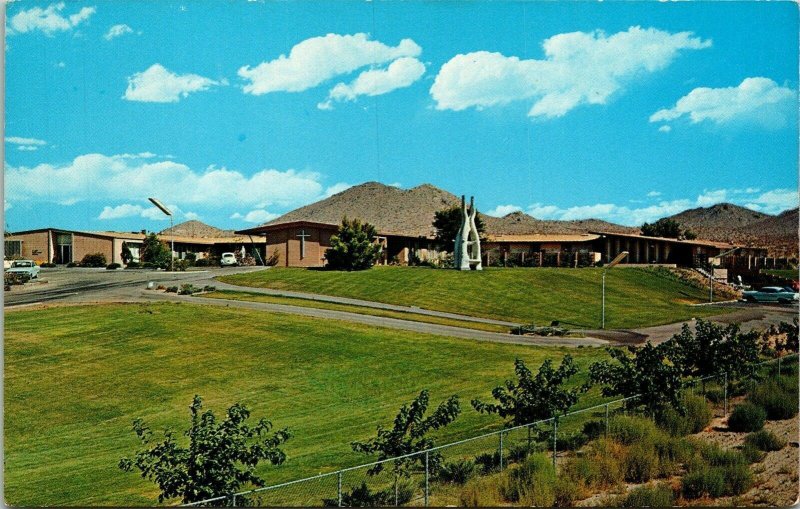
(400, 315)
(784, 273)
(635, 297)
(75, 377)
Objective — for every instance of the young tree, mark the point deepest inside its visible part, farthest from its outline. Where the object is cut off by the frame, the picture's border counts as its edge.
(125, 254)
(668, 228)
(155, 251)
(646, 371)
(533, 398)
(220, 459)
(353, 247)
(408, 435)
(447, 223)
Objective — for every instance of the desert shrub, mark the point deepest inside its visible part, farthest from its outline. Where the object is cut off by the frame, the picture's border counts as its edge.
(481, 492)
(362, 496)
(765, 441)
(47, 265)
(698, 416)
(600, 465)
(488, 462)
(571, 441)
(594, 429)
(747, 417)
(565, 492)
(641, 463)
(629, 430)
(778, 403)
(738, 479)
(73, 264)
(94, 260)
(457, 472)
(517, 453)
(701, 482)
(787, 382)
(113, 266)
(532, 482)
(172, 289)
(672, 452)
(659, 495)
(180, 265)
(209, 288)
(133, 265)
(715, 395)
(752, 454)
(716, 456)
(187, 289)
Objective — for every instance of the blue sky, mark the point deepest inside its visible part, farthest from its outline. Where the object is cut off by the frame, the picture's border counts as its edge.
(235, 112)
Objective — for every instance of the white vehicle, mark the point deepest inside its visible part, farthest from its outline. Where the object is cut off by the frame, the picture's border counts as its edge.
(28, 267)
(228, 260)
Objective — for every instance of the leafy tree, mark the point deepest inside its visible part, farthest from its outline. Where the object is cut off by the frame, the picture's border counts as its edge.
(221, 456)
(155, 251)
(408, 435)
(646, 371)
(126, 255)
(790, 342)
(667, 228)
(353, 247)
(447, 223)
(533, 398)
(713, 350)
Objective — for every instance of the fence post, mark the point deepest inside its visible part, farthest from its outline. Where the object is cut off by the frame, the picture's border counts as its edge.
(725, 395)
(339, 488)
(555, 433)
(426, 479)
(606, 420)
(501, 450)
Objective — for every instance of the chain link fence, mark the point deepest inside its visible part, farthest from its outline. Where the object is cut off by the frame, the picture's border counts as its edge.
(434, 476)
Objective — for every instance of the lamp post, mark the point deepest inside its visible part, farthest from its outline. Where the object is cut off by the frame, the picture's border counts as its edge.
(613, 262)
(711, 274)
(168, 212)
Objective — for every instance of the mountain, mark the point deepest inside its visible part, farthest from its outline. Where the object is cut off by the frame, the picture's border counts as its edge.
(726, 222)
(195, 228)
(411, 212)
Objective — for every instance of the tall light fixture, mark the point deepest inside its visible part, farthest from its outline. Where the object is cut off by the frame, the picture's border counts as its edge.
(611, 264)
(168, 212)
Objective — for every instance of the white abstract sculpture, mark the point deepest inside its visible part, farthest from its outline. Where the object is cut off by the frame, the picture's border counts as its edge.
(467, 252)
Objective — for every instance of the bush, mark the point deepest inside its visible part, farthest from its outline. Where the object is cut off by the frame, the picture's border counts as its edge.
(778, 403)
(752, 454)
(113, 266)
(456, 472)
(765, 441)
(488, 462)
(172, 289)
(201, 262)
(73, 264)
(133, 265)
(47, 265)
(715, 395)
(641, 463)
(148, 265)
(362, 496)
(747, 417)
(594, 429)
(187, 289)
(629, 430)
(532, 483)
(659, 495)
(209, 288)
(181, 265)
(698, 416)
(600, 465)
(738, 479)
(565, 492)
(480, 492)
(709, 481)
(94, 260)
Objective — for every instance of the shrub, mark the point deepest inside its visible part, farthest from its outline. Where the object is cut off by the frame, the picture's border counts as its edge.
(191, 258)
(709, 481)
(187, 289)
(659, 495)
(480, 492)
(778, 403)
(716, 456)
(488, 462)
(209, 288)
(73, 264)
(752, 454)
(641, 463)
(698, 416)
(94, 260)
(738, 479)
(180, 265)
(765, 441)
(565, 492)
(715, 395)
(113, 266)
(47, 265)
(629, 430)
(532, 482)
(571, 442)
(594, 429)
(747, 417)
(172, 289)
(457, 472)
(600, 465)
(148, 265)
(133, 265)
(362, 496)
(202, 262)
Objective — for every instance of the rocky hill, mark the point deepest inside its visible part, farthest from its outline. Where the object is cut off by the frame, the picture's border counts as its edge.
(195, 228)
(726, 222)
(519, 223)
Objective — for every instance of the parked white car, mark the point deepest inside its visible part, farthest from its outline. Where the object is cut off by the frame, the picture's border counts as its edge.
(228, 260)
(28, 267)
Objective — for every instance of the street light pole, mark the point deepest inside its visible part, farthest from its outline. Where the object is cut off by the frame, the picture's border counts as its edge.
(168, 212)
(611, 264)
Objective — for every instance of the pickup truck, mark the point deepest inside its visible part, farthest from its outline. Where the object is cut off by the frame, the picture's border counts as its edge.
(27, 267)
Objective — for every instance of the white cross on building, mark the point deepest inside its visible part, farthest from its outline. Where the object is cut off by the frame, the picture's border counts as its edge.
(303, 236)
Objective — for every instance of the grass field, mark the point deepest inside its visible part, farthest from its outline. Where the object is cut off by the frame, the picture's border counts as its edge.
(75, 377)
(400, 315)
(635, 297)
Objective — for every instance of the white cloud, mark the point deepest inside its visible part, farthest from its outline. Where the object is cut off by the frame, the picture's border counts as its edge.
(16, 140)
(117, 31)
(127, 178)
(654, 194)
(754, 100)
(337, 188)
(27, 148)
(578, 68)
(401, 73)
(61, 65)
(318, 59)
(259, 216)
(48, 20)
(160, 85)
(146, 211)
(120, 211)
(665, 129)
(192, 215)
(503, 210)
(770, 202)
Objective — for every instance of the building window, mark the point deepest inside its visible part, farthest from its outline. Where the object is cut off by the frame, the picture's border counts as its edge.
(13, 248)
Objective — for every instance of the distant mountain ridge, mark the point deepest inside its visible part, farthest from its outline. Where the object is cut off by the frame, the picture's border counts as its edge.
(197, 229)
